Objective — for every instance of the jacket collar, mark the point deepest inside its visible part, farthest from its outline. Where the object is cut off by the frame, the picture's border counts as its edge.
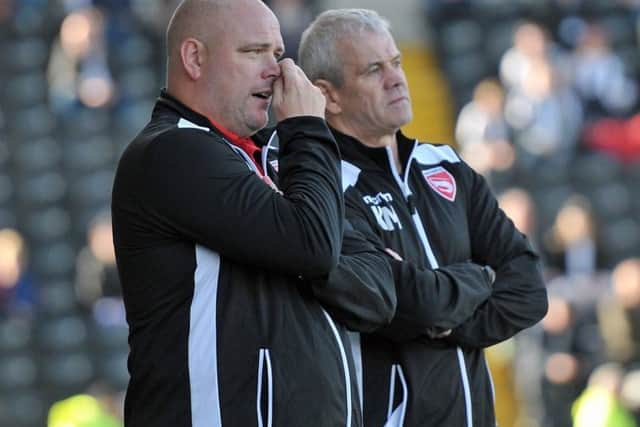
(365, 157)
(167, 100)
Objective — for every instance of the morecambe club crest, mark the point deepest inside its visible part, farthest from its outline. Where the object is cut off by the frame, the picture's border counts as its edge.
(442, 182)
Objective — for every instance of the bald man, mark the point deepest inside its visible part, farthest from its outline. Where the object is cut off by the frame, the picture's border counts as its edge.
(223, 264)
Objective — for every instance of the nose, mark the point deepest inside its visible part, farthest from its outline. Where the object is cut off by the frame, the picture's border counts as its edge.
(271, 68)
(394, 77)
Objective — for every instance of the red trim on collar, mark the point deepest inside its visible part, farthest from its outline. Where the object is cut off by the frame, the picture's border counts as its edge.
(246, 144)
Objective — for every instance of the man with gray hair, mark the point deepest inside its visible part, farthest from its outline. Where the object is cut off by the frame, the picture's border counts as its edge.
(465, 277)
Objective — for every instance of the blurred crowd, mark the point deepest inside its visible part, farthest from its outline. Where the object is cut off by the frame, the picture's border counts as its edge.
(546, 96)
(549, 115)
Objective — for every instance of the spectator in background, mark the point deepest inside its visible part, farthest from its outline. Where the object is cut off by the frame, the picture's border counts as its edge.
(599, 405)
(571, 341)
(294, 16)
(78, 72)
(531, 44)
(545, 115)
(518, 205)
(571, 245)
(619, 314)
(96, 281)
(630, 392)
(570, 351)
(6, 11)
(17, 292)
(81, 410)
(600, 76)
(482, 132)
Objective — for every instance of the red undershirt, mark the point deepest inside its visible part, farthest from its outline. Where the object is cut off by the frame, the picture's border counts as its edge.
(246, 144)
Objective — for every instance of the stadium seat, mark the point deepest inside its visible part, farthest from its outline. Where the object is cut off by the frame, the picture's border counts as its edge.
(57, 298)
(25, 54)
(41, 154)
(43, 190)
(62, 334)
(87, 155)
(47, 224)
(53, 260)
(17, 372)
(25, 90)
(66, 373)
(31, 122)
(22, 409)
(16, 335)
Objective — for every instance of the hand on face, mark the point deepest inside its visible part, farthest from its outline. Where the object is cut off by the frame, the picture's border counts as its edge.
(294, 95)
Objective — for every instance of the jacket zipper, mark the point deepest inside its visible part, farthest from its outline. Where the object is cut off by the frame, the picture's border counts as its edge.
(264, 155)
(433, 262)
(395, 418)
(345, 365)
(343, 355)
(250, 164)
(264, 356)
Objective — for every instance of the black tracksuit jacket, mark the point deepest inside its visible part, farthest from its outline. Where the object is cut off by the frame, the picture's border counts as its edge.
(441, 218)
(218, 273)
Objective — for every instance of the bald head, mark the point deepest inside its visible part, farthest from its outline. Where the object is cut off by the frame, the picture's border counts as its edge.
(198, 19)
(222, 60)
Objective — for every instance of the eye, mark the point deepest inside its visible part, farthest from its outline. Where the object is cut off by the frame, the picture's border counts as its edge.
(252, 51)
(373, 69)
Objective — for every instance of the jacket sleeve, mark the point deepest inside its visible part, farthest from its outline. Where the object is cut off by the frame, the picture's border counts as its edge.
(202, 189)
(427, 299)
(359, 292)
(519, 298)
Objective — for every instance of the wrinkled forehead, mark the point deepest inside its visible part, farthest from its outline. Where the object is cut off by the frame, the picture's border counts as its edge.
(367, 47)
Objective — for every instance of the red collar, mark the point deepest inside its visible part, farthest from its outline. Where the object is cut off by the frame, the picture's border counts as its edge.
(246, 144)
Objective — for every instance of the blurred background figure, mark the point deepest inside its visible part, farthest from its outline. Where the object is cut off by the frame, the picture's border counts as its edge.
(531, 45)
(630, 393)
(518, 204)
(81, 410)
(572, 244)
(17, 286)
(619, 314)
(545, 115)
(78, 72)
(294, 16)
(601, 77)
(482, 132)
(97, 284)
(599, 404)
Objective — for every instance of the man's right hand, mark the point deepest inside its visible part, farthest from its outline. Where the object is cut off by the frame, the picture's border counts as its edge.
(294, 95)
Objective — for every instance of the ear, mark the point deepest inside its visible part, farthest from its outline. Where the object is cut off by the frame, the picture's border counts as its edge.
(192, 54)
(331, 95)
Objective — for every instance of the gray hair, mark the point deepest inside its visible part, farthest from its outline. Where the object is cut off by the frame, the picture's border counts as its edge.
(318, 52)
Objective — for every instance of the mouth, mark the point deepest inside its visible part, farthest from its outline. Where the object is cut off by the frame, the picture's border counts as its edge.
(398, 100)
(265, 94)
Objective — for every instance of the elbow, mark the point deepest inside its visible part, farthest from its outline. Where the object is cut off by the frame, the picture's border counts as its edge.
(537, 300)
(386, 309)
(532, 311)
(541, 305)
(320, 255)
(380, 316)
